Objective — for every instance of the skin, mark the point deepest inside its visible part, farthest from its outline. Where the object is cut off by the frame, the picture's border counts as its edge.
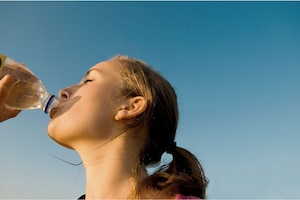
(6, 85)
(92, 120)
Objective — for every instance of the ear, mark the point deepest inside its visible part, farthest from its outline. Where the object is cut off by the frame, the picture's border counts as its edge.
(131, 108)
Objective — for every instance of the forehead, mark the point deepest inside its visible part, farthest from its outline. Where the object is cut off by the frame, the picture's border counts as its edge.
(106, 67)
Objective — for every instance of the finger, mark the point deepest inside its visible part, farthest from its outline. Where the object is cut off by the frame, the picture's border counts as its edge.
(6, 84)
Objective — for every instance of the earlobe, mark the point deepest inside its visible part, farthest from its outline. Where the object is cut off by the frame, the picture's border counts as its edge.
(131, 108)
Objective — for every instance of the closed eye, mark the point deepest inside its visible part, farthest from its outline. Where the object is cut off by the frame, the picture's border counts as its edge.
(87, 80)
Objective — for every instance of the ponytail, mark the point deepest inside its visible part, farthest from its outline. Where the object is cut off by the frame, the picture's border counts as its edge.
(184, 175)
(189, 176)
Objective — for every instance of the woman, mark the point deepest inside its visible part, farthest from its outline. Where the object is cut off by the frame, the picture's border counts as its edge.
(120, 119)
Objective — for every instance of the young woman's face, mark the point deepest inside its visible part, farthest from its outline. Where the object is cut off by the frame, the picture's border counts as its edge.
(87, 110)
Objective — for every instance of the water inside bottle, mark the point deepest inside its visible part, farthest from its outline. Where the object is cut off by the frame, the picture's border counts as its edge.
(28, 92)
(26, 95)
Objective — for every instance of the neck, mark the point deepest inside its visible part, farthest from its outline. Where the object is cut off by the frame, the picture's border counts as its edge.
(110, 169)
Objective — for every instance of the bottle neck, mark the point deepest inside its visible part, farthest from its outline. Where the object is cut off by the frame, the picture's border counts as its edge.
(49, 102)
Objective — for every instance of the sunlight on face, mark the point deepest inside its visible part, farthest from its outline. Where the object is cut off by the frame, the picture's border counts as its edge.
(87, 109)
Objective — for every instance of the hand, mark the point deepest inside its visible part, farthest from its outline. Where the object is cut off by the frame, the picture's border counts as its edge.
(6, 85)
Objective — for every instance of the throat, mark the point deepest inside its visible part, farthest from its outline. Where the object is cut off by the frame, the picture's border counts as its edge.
(112, 179)
(109, 188)
(113, 170)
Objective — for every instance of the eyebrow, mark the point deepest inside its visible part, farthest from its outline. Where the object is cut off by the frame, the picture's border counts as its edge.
(90, 70)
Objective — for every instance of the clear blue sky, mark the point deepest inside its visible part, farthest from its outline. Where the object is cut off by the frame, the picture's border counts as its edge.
(234, 65)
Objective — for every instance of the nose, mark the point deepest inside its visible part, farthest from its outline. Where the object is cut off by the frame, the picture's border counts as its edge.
(65, 93)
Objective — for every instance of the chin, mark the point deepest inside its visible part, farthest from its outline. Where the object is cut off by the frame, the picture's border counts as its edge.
(57, 137)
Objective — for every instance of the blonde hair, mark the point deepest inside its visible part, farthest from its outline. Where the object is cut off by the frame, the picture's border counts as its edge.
(184, 175)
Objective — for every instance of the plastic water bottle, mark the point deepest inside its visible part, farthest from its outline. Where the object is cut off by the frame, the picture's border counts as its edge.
(28, 92)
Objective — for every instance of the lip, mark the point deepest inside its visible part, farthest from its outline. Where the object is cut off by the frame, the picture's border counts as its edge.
(53, 111)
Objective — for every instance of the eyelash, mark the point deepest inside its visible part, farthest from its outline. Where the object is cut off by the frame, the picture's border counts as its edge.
(87, 80)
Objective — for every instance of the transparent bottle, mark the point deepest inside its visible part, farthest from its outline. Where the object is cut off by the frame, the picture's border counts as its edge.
(28, 92)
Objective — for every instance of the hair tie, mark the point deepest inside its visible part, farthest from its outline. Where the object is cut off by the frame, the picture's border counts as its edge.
(172, 148)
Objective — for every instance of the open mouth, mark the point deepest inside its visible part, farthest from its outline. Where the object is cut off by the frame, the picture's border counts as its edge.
(53, 111)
